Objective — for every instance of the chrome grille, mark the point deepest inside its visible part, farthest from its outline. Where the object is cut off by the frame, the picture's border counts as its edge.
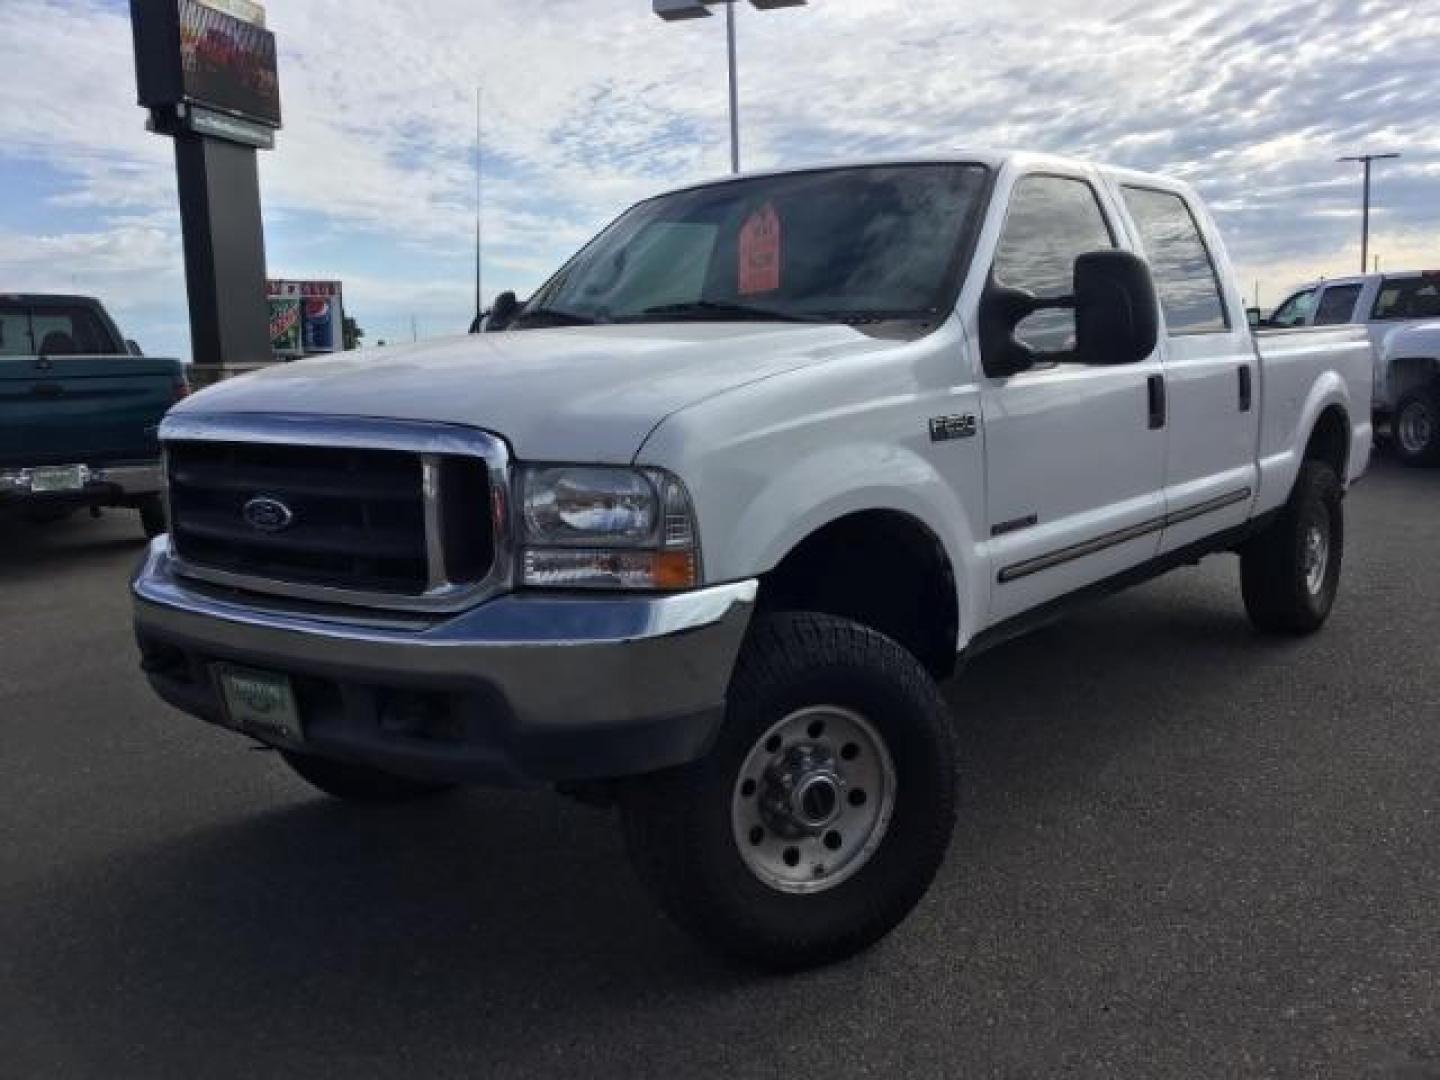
(355, 511)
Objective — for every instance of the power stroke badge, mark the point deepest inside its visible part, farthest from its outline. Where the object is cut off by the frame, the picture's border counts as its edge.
(945, 428)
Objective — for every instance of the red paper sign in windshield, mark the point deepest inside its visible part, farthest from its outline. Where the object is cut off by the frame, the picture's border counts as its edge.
(760, 252)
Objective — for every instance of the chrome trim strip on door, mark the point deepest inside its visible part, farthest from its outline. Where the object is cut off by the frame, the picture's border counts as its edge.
(1120, 536)
(1209, 506)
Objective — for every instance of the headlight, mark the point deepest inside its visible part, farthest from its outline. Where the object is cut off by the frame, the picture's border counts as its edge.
(606, 528)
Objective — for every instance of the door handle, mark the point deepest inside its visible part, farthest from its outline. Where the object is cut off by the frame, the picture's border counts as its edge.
(47, 389)
(1246, 392)
(1155, 388)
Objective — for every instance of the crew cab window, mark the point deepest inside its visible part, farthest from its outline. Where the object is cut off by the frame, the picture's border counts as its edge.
(1184, 273)
(1409, 298)
(1295, 310)
(1052, 220)
(1337, 305)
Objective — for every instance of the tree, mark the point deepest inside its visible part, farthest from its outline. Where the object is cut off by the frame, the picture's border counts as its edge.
(352, 333)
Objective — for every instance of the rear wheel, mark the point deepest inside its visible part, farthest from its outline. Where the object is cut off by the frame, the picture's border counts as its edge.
(359, 783)
(1290, 573)
(1415, 427)
(152, 516)
(820, 817)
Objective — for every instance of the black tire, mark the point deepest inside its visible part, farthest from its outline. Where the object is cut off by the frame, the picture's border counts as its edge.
(152, 516)
(359, 783)
(679, 828)
(1282, 595)
(1415, 427)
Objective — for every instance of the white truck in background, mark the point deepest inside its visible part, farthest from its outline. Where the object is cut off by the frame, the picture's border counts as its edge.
(1401, 314)
(701, 530)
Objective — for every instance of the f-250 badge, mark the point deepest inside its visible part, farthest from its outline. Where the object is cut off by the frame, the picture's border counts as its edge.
(945, 428)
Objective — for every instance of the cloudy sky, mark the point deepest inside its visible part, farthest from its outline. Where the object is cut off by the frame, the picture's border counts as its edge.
(593, 103)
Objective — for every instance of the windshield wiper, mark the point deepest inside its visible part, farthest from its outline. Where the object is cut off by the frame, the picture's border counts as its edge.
(720, 310)
(552, 316)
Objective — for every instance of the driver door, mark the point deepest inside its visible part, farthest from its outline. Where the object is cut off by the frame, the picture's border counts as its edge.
(1074, 454)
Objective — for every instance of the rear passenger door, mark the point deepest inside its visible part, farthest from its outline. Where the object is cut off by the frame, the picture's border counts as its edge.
(1211, 381)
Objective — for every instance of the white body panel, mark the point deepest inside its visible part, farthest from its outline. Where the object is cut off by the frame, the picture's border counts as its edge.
(779, 429)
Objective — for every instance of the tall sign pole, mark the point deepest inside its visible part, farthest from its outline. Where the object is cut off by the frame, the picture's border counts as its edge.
(206, 71)
(1366, 160)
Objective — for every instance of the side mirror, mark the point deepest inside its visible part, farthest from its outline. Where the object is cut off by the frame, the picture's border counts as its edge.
(1117, 315)
(502, 311)
(1255, 317)
(134, 347)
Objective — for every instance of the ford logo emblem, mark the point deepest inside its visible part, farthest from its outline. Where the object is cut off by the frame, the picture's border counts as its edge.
(268, 515)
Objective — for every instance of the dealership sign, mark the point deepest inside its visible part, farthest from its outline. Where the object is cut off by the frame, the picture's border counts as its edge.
(207, 67)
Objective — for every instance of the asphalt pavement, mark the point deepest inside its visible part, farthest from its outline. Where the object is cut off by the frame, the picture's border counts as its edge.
(1183, 850)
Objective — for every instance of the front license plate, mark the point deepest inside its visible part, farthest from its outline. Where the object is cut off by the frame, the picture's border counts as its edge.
(58, 478)
(260, 703)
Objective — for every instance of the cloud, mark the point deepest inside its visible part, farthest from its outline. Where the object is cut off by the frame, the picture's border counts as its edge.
(590, 104)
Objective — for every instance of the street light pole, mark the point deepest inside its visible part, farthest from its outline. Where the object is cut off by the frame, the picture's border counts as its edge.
(1366, 160)
(678, 10)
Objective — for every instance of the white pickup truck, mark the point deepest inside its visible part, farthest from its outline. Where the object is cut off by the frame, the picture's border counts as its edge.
(699, 533)
(1401, 315)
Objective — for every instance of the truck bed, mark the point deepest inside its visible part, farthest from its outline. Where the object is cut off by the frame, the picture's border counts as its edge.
(83, 409)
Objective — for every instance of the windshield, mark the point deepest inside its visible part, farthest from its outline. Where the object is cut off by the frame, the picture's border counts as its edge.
(857, 244)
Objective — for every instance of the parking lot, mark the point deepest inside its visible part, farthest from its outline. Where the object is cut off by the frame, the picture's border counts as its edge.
(1182, 850)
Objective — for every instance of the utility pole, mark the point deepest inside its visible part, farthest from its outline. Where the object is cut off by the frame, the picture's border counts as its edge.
(1366, 160)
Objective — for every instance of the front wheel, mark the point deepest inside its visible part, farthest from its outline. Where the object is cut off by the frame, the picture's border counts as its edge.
(1416, 427)
(822, 814)
(1290, 573)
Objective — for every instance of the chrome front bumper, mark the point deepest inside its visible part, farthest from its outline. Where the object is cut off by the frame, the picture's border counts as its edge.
(145, 478)
(524, 688)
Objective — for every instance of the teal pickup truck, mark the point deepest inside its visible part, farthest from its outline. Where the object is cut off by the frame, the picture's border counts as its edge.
(79, 409)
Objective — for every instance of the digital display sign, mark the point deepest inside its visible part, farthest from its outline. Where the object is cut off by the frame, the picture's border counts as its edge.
(228, 64)
(214, 56)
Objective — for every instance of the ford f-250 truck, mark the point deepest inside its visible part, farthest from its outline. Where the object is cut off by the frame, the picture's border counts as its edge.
(79, 411)
(1401, 314)
(699, 532)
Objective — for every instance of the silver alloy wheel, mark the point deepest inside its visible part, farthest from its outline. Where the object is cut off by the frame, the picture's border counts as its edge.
(1316, 558)
(1415, 427)
(813, 799)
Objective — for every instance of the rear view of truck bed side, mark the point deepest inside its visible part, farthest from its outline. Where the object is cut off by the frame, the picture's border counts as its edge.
(79, 411)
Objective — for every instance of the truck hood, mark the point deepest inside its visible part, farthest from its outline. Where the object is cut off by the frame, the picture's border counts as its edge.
(1418, 339)
(588, 393)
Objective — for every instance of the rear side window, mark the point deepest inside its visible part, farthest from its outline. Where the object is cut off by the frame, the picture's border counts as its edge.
(52, 330)
(1185, 274)
(15, 331)
(1409, 298)
(1337, 305)
(1295, 310)
(1052, 220)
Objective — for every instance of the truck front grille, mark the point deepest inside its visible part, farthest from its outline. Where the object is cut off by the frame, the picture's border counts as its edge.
(331, 522)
